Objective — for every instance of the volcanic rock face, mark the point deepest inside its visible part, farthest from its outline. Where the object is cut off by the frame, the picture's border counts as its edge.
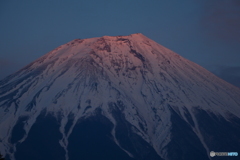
(123, 97)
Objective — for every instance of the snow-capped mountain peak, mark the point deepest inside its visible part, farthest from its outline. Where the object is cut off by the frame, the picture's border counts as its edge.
(127, 83)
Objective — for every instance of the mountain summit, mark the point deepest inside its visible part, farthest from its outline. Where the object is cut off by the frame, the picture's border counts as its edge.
(123, 97)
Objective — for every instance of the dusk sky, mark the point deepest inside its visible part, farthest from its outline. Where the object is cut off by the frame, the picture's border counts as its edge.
(206, 32)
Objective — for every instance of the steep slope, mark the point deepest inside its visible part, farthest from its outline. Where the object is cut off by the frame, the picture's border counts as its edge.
(123, 97)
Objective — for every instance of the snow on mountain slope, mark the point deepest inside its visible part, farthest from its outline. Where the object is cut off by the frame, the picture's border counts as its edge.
(138, 85)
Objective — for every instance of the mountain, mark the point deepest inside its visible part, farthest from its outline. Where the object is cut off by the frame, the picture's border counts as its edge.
(123, 97)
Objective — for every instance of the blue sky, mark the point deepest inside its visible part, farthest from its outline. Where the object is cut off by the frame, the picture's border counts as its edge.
(203, 31)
